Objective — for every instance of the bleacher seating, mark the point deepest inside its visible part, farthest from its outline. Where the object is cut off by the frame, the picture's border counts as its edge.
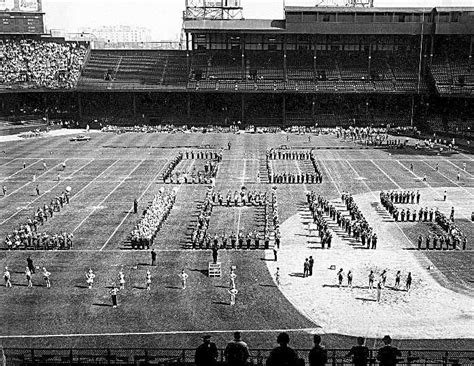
(453, 76)
(133, 70)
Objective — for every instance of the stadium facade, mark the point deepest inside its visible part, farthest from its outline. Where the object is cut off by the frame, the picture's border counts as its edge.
(320, 65)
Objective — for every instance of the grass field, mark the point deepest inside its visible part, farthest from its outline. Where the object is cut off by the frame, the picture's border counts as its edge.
(110, 171)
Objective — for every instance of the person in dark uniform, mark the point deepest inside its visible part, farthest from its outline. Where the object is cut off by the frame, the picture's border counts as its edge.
(37, 190)
(135, 206)
(31, 266)
(153, 257)
(311, 264)
(318, 356)
(206, 353)
(374, 241)
(420, 241)
(282, 355)
(387, 355)
(215, 250)
(359, 353)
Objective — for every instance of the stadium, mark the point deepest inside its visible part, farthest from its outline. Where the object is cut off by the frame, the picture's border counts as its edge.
(309, 175)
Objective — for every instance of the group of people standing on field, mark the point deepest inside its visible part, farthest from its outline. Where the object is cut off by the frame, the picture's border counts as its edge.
(302, 177)
(27, 236)
(154, 215)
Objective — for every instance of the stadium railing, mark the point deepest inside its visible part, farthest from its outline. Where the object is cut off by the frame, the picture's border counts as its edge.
(176, 356)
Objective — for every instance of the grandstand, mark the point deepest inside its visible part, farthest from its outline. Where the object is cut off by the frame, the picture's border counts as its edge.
(347, 92)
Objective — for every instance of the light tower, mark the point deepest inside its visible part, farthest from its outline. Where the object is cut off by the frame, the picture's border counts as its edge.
(213, 9)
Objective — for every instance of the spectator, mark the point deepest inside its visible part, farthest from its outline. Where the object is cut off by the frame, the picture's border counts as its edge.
(40, 64)
(359, 353)
(237, 352)
(282, 355)
(206, 353)
(318, 356)
(387, 355)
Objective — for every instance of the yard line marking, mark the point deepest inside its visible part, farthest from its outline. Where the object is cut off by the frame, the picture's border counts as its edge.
(437, 193)
(24, 185)
(38, 197)
(464, 189)
(130, 211)
(373, 162)
(377, 199)
(458, 167)
(11, 161)
(330, 176)
(171, 332)
(93, 180)
(18, 171)
(242, 183)
(111, 192)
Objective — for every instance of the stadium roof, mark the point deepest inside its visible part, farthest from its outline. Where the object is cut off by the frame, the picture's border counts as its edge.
(350, 9)
(256, 25)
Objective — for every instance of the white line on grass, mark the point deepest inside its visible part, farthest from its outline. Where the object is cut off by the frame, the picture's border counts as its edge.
(377, 199)
(128, 213)
(452, 181)
(111, 192)
(174, 332)
(330, 176)
(18, 171)
(437, 193)
(38, 197)
(24, 185)
(458, 167)
(11, 161)
(399, 187)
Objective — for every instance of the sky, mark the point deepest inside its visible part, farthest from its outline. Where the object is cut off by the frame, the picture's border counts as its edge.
(164, 17)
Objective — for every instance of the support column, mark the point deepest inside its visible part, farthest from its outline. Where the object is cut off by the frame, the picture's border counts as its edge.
(315, 60)
(431, 49)
(242, 50)
(284, 110)
(79, 105)
(313, 108)
(370, 62)
(188, 61)
(188, 107)
(470, 53)
(134, 103)
(242, 110)
(285, 67)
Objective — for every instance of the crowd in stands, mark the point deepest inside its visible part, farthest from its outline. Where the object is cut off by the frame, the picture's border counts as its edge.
(169, 128)
(27, 235)
(154, 215)
(40, 64)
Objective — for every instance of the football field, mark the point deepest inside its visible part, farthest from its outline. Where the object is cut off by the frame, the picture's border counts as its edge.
(107, 173)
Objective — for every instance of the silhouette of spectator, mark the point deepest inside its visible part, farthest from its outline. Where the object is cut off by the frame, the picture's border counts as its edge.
(237, 352)
(282, 355)
(387, 355)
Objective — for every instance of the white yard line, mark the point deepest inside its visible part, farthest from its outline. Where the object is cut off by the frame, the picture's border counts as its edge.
(139, 198)
(38, 197)
(437, 193)
(330, 177)
(18, 171)
(11, 161)
(24, 185)
(377, 199)
(458, 167)
(452, 181)
(226, 331)
(399, 187)
(110, 193)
